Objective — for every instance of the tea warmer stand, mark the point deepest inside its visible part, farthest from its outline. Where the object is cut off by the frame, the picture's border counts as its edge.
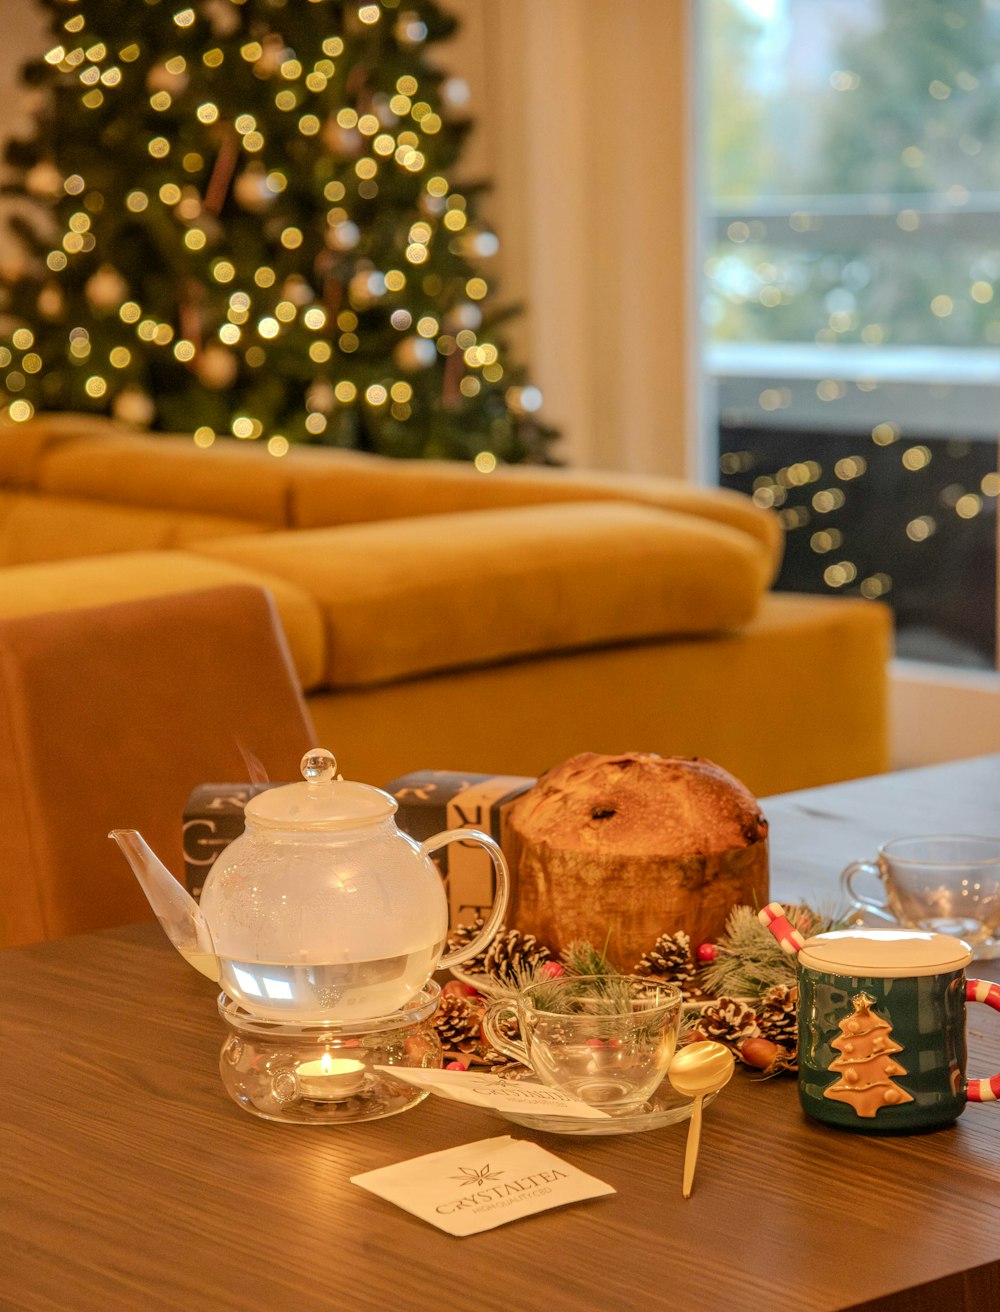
(325, 1074)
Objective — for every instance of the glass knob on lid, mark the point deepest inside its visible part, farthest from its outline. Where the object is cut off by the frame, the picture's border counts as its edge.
(326, 800)
(319, 766)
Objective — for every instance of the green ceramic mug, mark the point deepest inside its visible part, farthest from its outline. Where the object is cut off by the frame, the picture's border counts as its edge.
(882, 1030)
(882, 1026)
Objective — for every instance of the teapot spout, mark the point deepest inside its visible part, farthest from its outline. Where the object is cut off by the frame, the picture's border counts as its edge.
(773, 917)
(178, 913)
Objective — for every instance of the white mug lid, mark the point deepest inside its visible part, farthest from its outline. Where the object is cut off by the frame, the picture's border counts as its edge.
(884, 953)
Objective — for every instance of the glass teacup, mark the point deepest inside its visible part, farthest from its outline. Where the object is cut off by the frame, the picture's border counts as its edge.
(940, 883)
(606, 1040)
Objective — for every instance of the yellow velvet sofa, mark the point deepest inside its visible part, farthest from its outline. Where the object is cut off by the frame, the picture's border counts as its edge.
(443, 618)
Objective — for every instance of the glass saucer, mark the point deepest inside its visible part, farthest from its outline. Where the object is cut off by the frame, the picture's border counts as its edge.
(666, 1107)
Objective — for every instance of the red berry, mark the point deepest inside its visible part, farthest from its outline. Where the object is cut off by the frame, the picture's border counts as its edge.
(707, 952)
(455, 1066)
(456, 988)
(552, 970)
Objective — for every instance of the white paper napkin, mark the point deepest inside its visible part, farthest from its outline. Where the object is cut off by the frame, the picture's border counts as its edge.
(495, 1092)
(482, 1185)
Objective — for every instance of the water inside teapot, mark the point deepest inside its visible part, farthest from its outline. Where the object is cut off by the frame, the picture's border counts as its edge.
(312, 993)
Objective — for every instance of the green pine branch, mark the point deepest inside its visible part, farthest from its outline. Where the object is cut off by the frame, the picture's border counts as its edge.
(750, 959)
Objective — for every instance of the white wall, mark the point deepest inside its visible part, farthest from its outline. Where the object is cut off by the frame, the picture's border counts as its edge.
(584, 124)
(939, 714)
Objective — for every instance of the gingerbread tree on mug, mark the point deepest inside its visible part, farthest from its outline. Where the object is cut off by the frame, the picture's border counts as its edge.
(865, 1062)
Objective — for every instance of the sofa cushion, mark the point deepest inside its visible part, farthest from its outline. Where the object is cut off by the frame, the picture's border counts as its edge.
(96, 580)
(34, 528)
(230, 479)
(342, 490)
(22, 446)
(90, 456)
(448, 591)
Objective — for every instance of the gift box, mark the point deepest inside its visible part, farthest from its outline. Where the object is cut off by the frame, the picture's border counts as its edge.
(433, 800)
(213, 817)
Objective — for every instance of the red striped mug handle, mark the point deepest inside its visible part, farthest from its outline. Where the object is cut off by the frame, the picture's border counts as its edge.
(981, 990)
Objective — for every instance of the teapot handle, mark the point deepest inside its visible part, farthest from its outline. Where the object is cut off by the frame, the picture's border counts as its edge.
(495, 918)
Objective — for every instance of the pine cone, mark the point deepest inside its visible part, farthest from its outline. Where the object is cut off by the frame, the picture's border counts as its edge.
(728, 1021)
(457, 1021)
(777, 1017)
(460, 938)
(498, 1062)
(671, 959)
(512, 953)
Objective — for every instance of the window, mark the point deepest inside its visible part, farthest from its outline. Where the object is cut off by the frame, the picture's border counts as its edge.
(851, 296)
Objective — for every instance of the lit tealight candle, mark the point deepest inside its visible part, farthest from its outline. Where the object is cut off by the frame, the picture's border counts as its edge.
(331, 1079)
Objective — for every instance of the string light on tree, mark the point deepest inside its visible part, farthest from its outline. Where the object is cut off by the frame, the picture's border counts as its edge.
(243, 207)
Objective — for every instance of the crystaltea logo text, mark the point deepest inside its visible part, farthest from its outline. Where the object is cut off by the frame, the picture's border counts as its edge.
(492, 1192)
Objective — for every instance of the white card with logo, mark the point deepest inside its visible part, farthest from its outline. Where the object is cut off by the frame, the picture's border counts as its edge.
(496, 1092)
(482, 1185)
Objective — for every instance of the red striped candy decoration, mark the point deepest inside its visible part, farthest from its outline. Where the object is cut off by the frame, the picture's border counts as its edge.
(773, 918)
(981, 990)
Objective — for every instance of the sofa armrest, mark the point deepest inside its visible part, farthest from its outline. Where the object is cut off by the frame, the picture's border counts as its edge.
(140, 575)
(449, 591)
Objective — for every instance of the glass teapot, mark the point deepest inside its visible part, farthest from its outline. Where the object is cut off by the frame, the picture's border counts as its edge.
(322, 910)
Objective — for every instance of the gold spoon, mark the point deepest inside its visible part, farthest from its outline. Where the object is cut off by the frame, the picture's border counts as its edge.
(695, 1072)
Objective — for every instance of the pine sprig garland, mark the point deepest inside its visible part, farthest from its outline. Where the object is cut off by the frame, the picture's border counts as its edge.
(582, 958)
(746, 997)
(749, 958)
(513, 981)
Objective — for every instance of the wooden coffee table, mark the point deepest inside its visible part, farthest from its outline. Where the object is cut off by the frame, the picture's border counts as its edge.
(128, 1180)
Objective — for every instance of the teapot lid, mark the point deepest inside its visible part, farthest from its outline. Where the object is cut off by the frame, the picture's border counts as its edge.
(884, 953)
(325, 801)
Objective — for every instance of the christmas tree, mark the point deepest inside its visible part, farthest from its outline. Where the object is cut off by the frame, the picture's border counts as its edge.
(865, 1062)
(235, 218)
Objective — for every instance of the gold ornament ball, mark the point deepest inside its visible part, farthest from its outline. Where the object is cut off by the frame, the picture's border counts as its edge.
(414, 353)
(347, 143)
(160, 78)
(223, 17)
(106, 288)
(297, 290)
(216, 367)
(359, 290)
(50, 302)
(320, 396)
(134, 406)
(274, 55)
(251, 190)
